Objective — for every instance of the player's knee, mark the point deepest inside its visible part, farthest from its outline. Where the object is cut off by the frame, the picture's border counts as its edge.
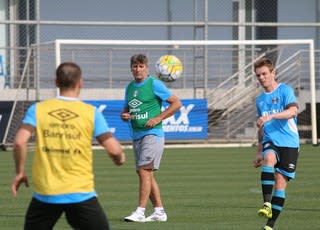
(269, 158)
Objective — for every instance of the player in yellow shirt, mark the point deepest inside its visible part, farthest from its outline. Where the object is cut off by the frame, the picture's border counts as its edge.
(62, 169)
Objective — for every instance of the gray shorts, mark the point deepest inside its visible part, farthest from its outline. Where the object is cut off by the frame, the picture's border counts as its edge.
(148, 151)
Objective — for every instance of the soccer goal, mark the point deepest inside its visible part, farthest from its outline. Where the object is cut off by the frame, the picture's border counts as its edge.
(220, 71)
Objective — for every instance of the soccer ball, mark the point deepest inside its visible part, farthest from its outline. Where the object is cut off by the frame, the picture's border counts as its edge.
(169, 68)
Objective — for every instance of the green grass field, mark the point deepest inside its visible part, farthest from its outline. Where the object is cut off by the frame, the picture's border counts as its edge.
(202, 188)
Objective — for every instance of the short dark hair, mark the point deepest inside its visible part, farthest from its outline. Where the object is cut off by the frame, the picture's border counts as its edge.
(67, 75)
(138, 59)
(264, 62)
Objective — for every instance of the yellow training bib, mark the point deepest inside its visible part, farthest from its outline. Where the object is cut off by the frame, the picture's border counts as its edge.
(63, 158)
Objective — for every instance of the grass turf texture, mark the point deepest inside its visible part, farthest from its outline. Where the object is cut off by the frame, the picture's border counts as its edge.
(202, 188)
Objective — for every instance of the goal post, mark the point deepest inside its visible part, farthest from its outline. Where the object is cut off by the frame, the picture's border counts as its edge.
(309, 43)
(217, 72)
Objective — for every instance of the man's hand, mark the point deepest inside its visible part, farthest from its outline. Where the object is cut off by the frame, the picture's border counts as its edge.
(125, 116)
(119, 159)
(152, 122)
(17, 181)
(262, 120)
(257, 161)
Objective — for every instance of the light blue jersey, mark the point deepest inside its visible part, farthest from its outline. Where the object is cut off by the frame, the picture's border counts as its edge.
(281, 132)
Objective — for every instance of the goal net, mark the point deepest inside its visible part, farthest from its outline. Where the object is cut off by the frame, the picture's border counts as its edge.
(221, 72)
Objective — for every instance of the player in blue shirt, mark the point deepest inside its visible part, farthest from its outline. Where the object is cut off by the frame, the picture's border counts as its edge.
(278, 146)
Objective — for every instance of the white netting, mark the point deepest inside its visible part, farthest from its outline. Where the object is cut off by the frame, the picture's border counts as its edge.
(221, 71)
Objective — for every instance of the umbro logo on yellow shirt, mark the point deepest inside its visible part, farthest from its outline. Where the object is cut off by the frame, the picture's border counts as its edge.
(63, 114)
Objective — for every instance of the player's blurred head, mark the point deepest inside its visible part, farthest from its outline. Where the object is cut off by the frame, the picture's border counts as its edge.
(264, 62)
(139, 67)
(138, 59)
(68, 74)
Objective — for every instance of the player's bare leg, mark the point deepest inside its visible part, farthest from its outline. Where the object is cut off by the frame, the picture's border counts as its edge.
(155, 197)
(145, 181)
(155, 193)
(145, 178)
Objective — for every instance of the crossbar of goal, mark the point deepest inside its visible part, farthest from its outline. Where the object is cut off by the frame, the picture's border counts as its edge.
(307, 42)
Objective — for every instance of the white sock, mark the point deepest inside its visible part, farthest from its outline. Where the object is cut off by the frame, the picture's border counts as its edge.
(140, 210)
(159, 210)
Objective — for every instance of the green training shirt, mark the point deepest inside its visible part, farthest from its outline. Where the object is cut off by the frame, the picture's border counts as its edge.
(143, 104)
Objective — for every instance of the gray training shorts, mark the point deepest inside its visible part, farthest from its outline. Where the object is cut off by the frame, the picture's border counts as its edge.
(148, 151)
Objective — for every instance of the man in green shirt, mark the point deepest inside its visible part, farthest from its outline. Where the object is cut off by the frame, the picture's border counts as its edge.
(143, 101)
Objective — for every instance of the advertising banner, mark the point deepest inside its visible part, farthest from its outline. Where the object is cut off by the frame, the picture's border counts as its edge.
(191, 122)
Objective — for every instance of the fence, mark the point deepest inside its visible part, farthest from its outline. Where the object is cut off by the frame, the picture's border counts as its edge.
(33, 24)
(231, 109)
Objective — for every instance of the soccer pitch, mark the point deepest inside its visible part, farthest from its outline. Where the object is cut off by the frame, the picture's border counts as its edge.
(202, 188)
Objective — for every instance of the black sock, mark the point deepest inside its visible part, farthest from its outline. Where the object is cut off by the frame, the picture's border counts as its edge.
(267, 182)
(277, 203)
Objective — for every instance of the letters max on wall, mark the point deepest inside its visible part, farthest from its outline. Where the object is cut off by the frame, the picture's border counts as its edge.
(191, 122)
